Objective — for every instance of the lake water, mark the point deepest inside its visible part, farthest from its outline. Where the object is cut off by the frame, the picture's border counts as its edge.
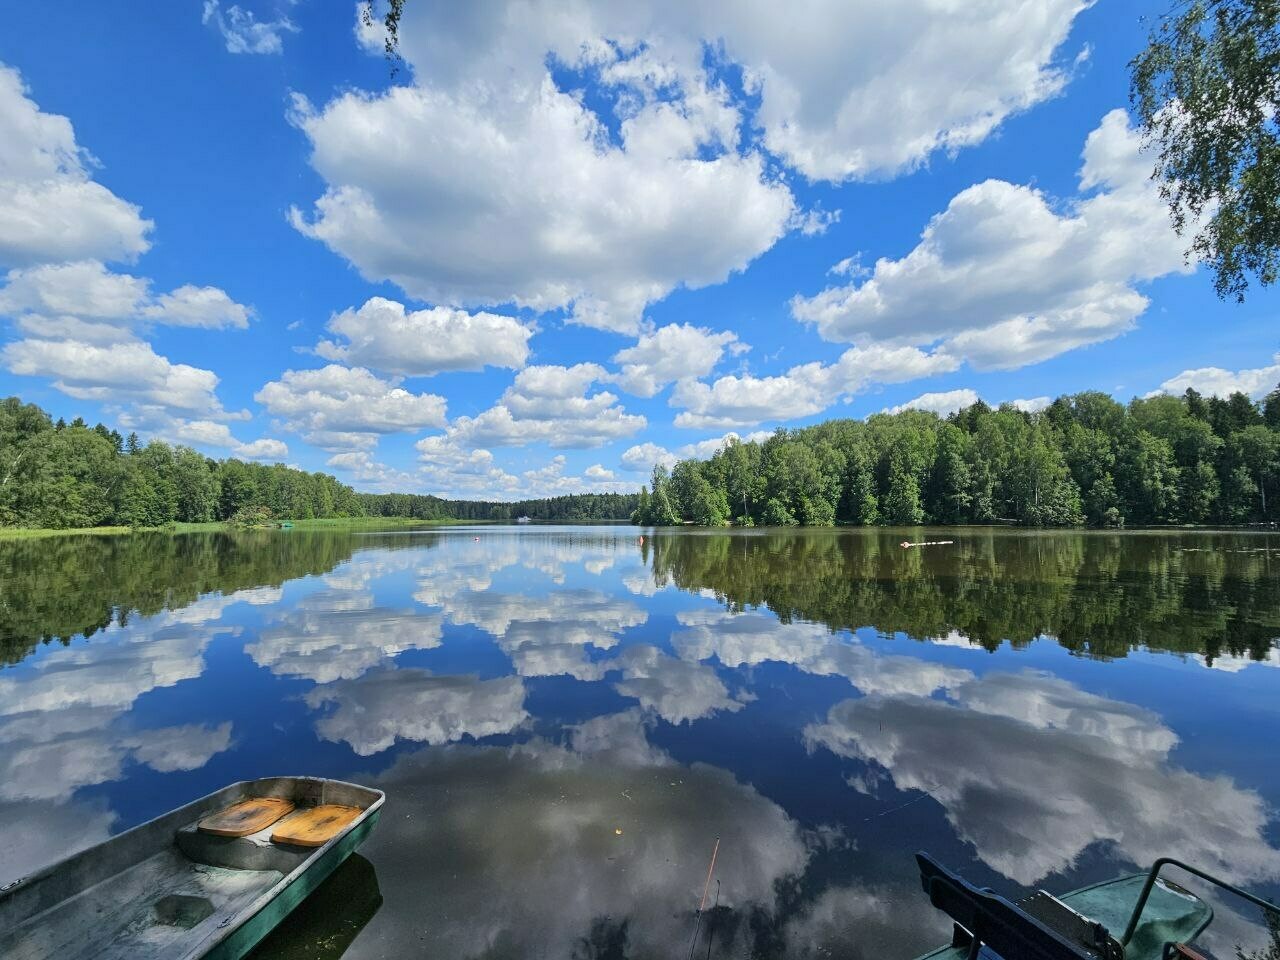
(565, 719)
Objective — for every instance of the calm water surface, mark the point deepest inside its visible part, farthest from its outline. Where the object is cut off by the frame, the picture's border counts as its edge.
(566, 719)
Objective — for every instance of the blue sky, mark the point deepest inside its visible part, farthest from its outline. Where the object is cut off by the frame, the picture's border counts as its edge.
(569, 239)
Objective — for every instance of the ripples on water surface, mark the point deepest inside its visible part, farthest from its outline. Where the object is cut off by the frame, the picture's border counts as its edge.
(565, 719)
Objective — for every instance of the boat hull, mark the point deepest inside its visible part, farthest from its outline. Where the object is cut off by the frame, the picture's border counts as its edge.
(163, 891)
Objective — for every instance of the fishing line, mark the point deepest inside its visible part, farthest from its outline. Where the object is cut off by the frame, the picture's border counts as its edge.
(697, 925)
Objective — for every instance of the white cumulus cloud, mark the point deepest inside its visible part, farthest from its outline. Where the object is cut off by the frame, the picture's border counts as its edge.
(650, 187)
(192, 306)
(369, 473)
(1255, 382)
(449, 468)
(50, 209)
(77, 319)
(549, 404)
(116, 373)
(1004, 278)
(864, 90)
(385, 336)
(85, 300)
(642, 457)
(345, 406)
(677, 351)
(737, 401)
(597, 227)
(204, 433)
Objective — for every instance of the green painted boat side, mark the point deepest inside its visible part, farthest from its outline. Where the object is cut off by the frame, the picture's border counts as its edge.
(1171, 913)
(255, 928)
(328, 921)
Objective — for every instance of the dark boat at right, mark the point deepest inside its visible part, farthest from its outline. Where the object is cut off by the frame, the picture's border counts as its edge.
(1142, 916)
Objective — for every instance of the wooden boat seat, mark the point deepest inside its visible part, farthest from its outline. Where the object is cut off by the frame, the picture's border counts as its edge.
(315, 826)
(246, 817)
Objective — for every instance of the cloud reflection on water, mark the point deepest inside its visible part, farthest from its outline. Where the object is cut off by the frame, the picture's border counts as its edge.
(747, 639)
(372, 712)
(65, 724)
(339, 644)
(1032, 770)
(60, 718)
(526, 859)
(484, 684)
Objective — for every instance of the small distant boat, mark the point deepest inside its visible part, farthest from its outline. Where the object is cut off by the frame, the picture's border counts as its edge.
(1159, 919)
(286, 524)
(523, 520)
(207, 880)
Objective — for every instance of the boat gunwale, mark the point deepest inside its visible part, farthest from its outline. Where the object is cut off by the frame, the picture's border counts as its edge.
(182, 815)
(1066, 898)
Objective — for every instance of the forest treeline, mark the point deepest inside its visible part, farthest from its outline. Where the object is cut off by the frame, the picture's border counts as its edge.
(574, 506)
(59, 475)
(1084, 459)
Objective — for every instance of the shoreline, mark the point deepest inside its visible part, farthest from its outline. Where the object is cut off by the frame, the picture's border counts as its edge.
(217, 526)
(407, 523)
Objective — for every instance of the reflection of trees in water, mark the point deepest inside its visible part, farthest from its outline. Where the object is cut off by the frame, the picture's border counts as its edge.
(1099, 595)
(58, 588)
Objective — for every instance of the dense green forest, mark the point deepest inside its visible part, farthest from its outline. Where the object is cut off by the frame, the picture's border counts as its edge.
(1085, 459)
(575, 506)
(58, 475)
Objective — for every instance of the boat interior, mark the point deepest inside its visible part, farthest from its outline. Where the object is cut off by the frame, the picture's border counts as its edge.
(1082, 925)
(171, 887)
